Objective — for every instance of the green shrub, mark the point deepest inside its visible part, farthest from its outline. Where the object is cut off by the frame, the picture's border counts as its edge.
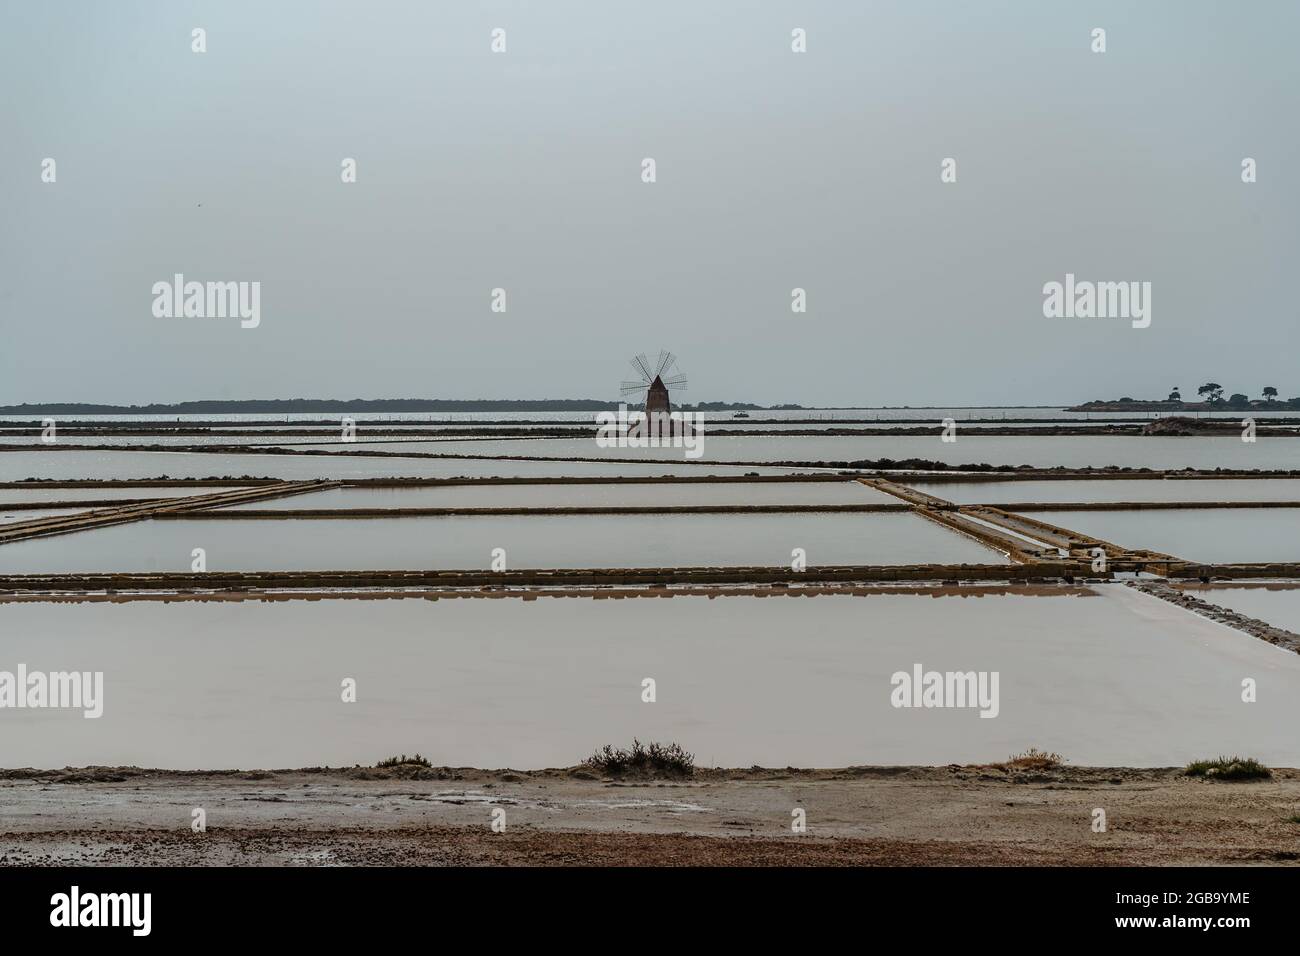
(1229, 768)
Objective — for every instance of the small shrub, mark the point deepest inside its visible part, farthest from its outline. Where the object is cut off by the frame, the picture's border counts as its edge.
(405, 761)
(1229, 768)
(669, 759)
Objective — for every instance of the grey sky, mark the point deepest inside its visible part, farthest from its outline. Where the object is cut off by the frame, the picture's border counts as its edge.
(522, 170)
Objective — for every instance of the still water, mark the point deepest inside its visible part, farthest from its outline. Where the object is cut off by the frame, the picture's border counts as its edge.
(568, 496)
(1039, 451)
(13, 517)
(1045, 451)
(1120, 679)
(66, 465)
(1279, 606)
(1212, 535)
(1168, 489)
(38, 493)
(571, 541)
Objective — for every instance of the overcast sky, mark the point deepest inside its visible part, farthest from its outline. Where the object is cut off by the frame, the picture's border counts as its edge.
(522, 170)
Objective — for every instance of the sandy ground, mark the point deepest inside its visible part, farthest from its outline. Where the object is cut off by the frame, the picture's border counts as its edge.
(855, 816)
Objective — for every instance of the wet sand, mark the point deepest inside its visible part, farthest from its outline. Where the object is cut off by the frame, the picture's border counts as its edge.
(855, 816)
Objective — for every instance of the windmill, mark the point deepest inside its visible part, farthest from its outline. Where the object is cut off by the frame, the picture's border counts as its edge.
(653, 388)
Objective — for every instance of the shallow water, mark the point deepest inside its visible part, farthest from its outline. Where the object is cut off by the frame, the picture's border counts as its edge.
(1169, 489)
(582, 430)
(561, 496)
(1040, 451)
(1117, 680)
(1279, 607)
(572, 541)
(12, 517)
(1072, 451)
(68, 465)
(38, 493)
(1213, 535)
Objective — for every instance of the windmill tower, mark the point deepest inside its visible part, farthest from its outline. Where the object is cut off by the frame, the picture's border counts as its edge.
(656, 383)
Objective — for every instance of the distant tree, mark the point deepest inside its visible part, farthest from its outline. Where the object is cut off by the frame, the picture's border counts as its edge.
(1175, 395)
(1127, 398)
(1238, 400)
(1213, 390)
(1270, 393)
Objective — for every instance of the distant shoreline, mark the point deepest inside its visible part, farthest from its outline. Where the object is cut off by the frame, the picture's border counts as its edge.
(301, 405)
(1279, 405)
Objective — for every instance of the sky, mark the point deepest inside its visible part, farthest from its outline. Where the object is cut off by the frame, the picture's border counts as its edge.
(523, 171)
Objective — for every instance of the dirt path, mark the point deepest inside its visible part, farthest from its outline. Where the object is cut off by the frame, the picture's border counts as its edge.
(872, 816)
